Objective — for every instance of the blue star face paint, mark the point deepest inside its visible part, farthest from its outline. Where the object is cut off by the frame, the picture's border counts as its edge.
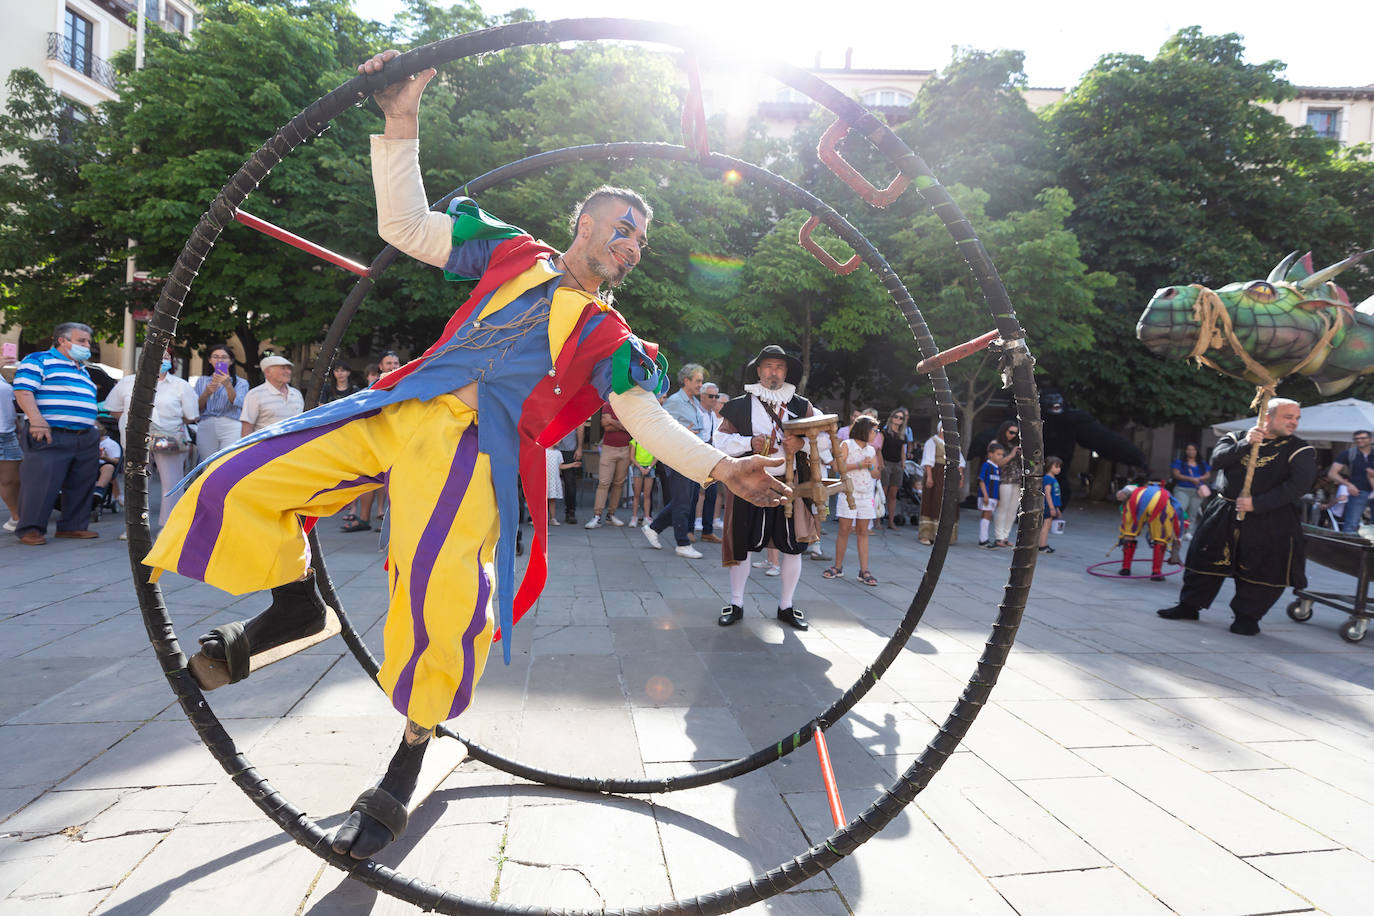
(620, 233)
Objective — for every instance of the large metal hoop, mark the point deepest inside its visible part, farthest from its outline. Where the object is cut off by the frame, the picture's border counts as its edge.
(1017, 363)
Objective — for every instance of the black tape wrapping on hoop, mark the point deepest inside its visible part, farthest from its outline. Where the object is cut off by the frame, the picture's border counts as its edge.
(162, 328)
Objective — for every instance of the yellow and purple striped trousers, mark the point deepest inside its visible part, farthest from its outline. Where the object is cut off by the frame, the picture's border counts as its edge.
(1150, 507)
(238, 528)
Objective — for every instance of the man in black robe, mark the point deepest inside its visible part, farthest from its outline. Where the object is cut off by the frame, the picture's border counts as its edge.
(1263, 552)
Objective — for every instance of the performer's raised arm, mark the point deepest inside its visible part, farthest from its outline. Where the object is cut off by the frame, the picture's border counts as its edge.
(403, 215)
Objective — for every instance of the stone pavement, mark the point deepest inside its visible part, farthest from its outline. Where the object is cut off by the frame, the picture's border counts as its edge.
(1124, 762)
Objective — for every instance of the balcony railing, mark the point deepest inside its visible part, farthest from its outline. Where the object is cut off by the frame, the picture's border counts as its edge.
(98, 69)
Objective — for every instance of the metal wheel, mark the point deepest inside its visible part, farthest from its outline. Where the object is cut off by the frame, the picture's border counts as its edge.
(1353, 630)
(1300, 610)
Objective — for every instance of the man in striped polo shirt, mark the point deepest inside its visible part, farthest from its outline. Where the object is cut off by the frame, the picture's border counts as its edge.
(62, 446)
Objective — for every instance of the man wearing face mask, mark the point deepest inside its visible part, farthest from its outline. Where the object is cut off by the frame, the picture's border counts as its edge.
(62, 444)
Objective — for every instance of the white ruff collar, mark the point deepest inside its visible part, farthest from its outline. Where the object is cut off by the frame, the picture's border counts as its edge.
(772, 398)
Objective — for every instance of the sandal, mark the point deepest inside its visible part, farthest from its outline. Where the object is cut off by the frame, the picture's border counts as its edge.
(833, 572)
(357, 525)
(866, 577)
(924, 542)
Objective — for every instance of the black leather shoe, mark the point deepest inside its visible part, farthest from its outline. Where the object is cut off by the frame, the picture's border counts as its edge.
(794, 617)
(1244, 626)
(730, 614)
(1178, 612)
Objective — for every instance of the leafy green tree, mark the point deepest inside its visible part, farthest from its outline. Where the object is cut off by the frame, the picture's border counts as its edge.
(195, 112)
(1040, 263)
(792, 299)
(55, 265)
(1180, 176)
(972, 126)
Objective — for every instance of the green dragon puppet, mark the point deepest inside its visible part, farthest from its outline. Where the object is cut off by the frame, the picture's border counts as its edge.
(1294, 321)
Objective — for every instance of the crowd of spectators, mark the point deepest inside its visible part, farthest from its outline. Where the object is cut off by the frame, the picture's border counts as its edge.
(55, 455)
(63, 426)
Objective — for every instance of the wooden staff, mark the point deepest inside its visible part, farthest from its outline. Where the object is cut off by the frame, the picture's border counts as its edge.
(1262, 396)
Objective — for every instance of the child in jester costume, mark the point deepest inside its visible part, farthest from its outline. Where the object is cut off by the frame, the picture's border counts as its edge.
(528, 357)
(1154, 507)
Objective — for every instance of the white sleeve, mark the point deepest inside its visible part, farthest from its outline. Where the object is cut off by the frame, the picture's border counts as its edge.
(403, 215)
(249, 413)
(823, 446)
(190, 404)
(732, 444)
(669, 441)
(117, 401)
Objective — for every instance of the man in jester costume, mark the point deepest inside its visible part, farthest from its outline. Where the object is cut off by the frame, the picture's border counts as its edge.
(1151, 507)
(528, 357)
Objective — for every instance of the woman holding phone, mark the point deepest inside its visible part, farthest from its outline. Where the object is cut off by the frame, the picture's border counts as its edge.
(221, 397)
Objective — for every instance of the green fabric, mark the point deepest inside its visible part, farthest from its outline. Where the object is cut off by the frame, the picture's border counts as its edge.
(620, 368)
(625, 359)
(643, 458)
(472, 223)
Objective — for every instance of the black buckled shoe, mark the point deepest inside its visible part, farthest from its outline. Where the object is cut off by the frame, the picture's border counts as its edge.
(1178, 612)
(1245, 626)
(794, 617)
(729, 614)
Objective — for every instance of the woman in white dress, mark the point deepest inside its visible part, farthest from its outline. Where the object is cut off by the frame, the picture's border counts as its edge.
(859, 462)
(553, 473)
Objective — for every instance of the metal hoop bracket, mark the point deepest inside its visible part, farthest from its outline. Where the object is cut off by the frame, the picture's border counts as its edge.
(805, 240)
(829, 153)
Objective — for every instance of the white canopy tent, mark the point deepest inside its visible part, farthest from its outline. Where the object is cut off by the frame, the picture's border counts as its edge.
(1322, 424)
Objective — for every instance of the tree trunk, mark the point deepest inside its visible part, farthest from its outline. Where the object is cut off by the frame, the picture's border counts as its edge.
(806, 348)
(250, 343)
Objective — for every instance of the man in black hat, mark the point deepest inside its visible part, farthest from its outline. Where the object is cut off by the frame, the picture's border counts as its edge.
(753, 424)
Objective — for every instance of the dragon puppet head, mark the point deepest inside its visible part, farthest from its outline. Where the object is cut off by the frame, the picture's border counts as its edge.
(1296, 319)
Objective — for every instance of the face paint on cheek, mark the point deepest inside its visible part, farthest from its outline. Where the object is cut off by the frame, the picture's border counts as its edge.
(619, 233)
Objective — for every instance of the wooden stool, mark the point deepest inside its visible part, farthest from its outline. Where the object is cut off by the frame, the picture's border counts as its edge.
(819, 488)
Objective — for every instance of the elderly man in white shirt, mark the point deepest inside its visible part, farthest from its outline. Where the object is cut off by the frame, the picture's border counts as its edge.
(274, 399)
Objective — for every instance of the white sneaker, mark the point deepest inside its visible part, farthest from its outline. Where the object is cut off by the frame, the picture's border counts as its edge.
(688, 551)
(773, 571)
(651, 536)
(615, 521)
(12, 525)
(761, 564)
(594, 522)
(648, 520)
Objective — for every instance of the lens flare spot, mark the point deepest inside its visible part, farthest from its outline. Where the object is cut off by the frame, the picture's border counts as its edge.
(659, 688)
(712, 274)
(731, 176)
